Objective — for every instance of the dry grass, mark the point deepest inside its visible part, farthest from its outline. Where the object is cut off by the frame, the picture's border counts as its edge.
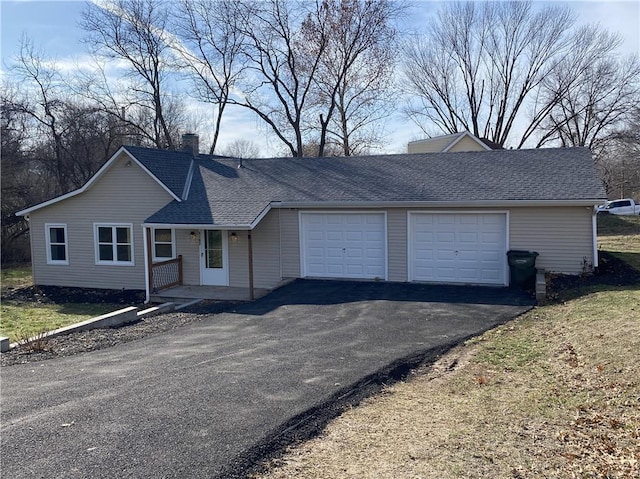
(618, 235)
(555, 393)
(15, 277)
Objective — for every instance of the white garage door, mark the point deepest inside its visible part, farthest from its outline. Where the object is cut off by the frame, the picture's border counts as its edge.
(458, 248)
(343, 245)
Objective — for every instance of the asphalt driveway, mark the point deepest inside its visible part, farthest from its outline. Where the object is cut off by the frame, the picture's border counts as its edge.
(212, 397)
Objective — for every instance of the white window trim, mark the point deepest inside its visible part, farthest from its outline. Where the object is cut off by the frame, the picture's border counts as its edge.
(96, 244)
(47, 235)
(153, 244)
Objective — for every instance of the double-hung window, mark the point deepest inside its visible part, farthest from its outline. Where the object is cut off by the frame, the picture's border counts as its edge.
(163, 244)
(114, 244)
(57, 243)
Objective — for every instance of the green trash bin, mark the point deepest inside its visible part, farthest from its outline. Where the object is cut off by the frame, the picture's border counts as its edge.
(522, 268)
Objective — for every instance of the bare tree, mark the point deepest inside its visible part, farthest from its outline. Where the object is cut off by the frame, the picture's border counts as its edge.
(20, 186)
(481, 65)
(281, 65)
(241, 148)
(355, 71)
(41, 99)
(51, 143)
(134, 31)
(619, 159)
(210, 44)
(597, 93)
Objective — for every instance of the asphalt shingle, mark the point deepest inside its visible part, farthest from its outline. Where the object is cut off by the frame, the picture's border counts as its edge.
(225, 195)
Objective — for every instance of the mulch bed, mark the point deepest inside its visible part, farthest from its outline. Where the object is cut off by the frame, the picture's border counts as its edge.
(611, 272)
(62, 295)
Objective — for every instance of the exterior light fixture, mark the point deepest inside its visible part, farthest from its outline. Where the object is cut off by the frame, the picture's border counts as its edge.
(234, 237)
(194, 236)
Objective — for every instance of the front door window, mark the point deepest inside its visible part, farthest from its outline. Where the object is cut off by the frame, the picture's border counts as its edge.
(214, 258)
(213, 249)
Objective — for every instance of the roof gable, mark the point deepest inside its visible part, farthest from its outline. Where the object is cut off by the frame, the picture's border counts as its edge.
(176, 195)
(444, 143)
(170, 168)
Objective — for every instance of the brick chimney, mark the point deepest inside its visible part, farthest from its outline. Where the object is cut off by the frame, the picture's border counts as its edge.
(191, 142)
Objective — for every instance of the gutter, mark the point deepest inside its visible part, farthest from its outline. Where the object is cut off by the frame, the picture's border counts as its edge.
(435, 204)
(182, 226)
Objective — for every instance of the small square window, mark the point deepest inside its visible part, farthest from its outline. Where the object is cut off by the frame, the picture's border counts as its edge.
(163, 244)
(104, 234)
(56, 236)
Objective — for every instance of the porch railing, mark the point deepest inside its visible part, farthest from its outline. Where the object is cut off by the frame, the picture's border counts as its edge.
(166, 274)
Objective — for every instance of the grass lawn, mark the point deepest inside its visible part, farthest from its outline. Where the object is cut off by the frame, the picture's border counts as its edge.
(21, 319)
(24, 320)
(18, 276)
(554, 393)
(616, 235)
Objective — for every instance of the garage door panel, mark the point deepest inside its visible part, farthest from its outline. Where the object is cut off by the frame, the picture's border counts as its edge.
(353, 253)
(445, 255)
(445, 220)
(464, 247)
(468, 274)
(491, 275)
(352, 245)
(446, 273)
(468, 237)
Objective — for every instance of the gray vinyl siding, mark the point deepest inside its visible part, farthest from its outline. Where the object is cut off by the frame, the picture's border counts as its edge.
(290, 243)
(124, 194)
(190, 251)
(266, 252)
(239, 261)
(397, 244)
(562, 236)
(266, 255)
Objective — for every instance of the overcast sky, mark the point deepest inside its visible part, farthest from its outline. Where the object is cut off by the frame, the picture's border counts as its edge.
(53, 25)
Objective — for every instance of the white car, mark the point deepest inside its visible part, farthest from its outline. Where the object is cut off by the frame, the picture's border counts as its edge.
(625, 206)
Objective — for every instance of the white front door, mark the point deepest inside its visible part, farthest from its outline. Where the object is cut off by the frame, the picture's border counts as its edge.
(214, 258)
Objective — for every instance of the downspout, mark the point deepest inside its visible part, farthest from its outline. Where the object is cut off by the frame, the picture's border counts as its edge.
(250, 252)
(594, 234)
(145, 240)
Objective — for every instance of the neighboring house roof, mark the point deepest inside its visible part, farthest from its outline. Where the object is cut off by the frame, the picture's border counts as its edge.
(227, 196)
(444, 143)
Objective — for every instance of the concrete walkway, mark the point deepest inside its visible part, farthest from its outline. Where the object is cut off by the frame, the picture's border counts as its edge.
(210, 398)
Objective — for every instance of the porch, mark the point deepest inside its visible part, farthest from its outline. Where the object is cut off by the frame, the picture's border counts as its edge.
(185, 293)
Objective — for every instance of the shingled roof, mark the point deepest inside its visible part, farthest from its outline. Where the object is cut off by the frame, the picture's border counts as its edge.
(224, 195)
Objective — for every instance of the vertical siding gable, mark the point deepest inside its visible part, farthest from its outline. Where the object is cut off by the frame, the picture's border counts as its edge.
(123, 194)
